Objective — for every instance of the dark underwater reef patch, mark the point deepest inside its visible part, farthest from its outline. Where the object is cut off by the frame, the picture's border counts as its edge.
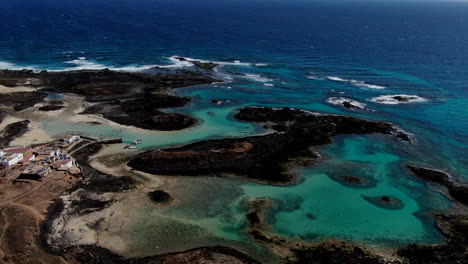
(353, 181)
(265, 158)
(386, 202)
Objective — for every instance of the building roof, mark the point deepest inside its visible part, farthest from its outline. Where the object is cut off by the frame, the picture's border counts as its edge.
(10, 156)
(28, 157)
(21, 150)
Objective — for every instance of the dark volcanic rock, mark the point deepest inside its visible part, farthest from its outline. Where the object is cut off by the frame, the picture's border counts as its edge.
(206, 255)
(86, 205)
(3, 115)
(336, 124)
(22, 100)
(457, 191)
(143, 112)
(51, 107)
(386, 202)
(336, 254)
(97, 181)
(12, 131)
(205, 65)
(160, 196)
(101, 85)
(261, 158)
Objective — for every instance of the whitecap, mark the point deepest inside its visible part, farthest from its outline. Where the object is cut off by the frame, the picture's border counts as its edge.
(220, 63)
(257, 78)
(398, 99)
(12, 66)
(363, 84)
(269, 84)
(336, 79)
(357, 83)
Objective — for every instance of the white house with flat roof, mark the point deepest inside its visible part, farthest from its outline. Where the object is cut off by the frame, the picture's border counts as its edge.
(8, 159)
(70, 138)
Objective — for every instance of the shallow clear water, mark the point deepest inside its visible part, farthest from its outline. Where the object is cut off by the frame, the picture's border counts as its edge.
(280, 54)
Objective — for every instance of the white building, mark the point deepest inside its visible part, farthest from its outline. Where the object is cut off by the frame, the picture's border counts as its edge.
(71, 138)
(8, 159)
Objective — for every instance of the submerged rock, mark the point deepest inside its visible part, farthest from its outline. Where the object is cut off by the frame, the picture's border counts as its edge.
(160, 196)
(353, 181)
(51, 107)
(386, 202)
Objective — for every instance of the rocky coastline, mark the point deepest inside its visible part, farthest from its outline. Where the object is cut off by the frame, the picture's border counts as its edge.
(265, 158)
(457, 191)
(132, 99)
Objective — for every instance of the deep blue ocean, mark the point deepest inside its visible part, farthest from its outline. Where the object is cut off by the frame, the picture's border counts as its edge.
(302, 54)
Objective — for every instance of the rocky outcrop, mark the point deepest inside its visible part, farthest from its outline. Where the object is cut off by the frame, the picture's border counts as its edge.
(206, 255)
(263, 158)
(18, 101)
(12, 131)
(101, 85)
(144, 112)
(458, 192)
(97, 181)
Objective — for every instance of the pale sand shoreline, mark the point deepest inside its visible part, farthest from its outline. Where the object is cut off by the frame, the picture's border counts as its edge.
(35, 135)
(5, 89)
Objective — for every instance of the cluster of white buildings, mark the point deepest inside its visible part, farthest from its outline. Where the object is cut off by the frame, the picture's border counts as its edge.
(39, 162)
(11, 156)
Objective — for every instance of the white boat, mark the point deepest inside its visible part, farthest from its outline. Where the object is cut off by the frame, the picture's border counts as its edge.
(136, 142)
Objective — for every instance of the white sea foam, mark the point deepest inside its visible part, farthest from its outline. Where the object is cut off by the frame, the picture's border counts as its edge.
(336, 79)
(269, 84)
(82, 63)
(314, 77)
(11, 66)
(257, 78)
(342, 100)
(394, 99)
(356, 83)
(220, 63)
(363, 84)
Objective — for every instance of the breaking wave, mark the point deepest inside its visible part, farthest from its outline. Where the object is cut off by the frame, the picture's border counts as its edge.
(356, 83)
